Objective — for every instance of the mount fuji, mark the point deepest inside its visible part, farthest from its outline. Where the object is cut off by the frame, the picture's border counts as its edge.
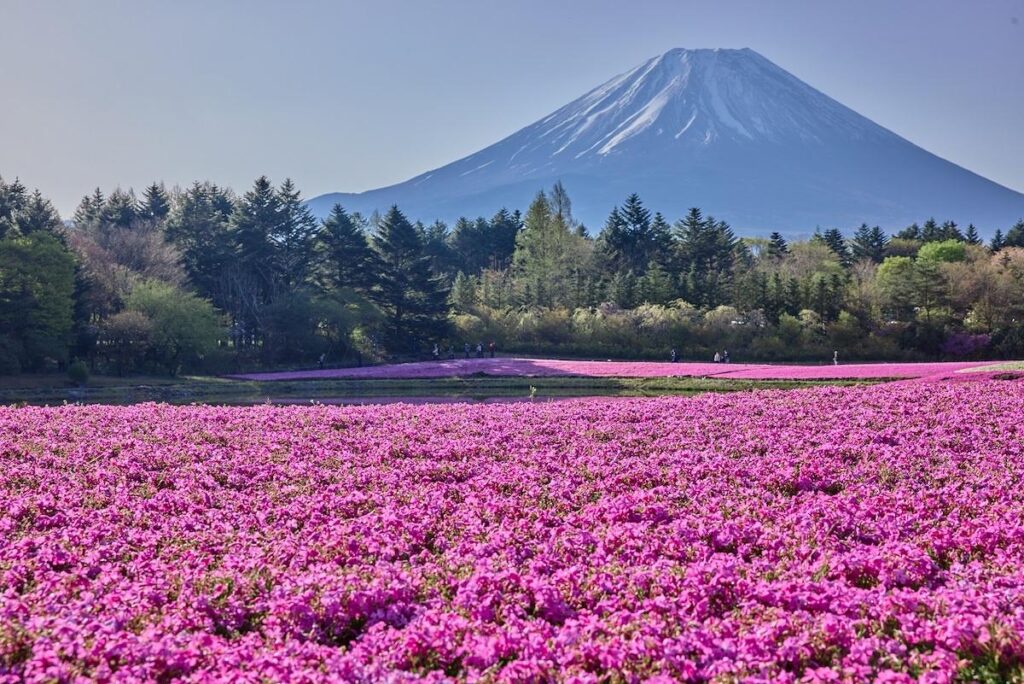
(724, 130)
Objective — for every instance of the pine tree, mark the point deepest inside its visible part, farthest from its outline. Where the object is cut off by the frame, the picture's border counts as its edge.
(930, 231)
(502, 238)
(1015, 236)
(255, 224)
(655, 285)
(469, 245)
(543, 257)
(437, 245)
(706, 251)
(89, 210)
(630, 240)
(39, 216)
(869, 244)
(346, 259)
(972, 237)
(911, 232)
(998, 241)
(834, 240)
(120, 210)
(293, 237)
(463, 296)
(13, 198)
(199, 228)
(778, 248)
(561, 205)
(413, 301)
(155, 203)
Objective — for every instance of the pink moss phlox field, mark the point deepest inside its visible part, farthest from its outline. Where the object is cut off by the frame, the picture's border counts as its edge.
(627, 369)
(828, 534)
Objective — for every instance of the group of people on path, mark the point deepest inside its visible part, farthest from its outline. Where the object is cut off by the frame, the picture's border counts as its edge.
(436, 352)
(723, 357)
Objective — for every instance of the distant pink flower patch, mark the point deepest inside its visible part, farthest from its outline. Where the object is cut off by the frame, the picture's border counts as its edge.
(829, 534)
(623, 369)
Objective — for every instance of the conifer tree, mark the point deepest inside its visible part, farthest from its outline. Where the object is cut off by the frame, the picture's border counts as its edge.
(120, 210)
(631, 240)
(89, 210)
(13, 198)
(38, 216)
(346, 259)
(543, 256)
(255, 224)
(778, 248)
(834, 240)
(998, 241)
(293, 237)
(869, 243)
(1015, 236)
(930, 231)
(502, 238)
(971, 236)
(199, 228)
(413, 301)
(155, 203)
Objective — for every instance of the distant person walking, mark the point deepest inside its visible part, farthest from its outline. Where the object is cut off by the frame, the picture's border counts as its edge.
(479, 350)
(674, 355)
(718, 358)
(835, 358)
(466, 349)
(725, 356)
(320, 361)
(490, 348)
(436, 352)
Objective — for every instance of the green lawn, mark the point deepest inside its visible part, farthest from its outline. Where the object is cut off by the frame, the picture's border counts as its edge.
(55, 389)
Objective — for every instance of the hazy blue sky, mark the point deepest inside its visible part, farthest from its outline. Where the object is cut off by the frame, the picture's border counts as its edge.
(347, 96)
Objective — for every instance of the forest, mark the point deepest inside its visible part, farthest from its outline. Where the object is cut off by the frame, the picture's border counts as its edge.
(201, 279)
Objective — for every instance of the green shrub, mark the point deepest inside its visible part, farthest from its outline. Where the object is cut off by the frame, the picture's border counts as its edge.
(78, 372)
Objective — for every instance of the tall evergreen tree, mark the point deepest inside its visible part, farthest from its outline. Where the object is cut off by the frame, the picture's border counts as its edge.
(998, 241)
(120, 210)
(1015, 236)
(543, 256)
(155, 203)
(869, 243)
(199, 228)
(911, 232)
(254, 226)
(13, 198)
(413, 300)
(630, 240)
(502, 237)
(971, 236)
(834, 240)
(346, 259)
(950, 231)
(706, 255)
(89, 210)
(778, 248)
(294, 237)
(931, 232)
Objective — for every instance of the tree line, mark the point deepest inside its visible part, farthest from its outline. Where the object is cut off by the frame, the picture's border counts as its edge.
(201, 278)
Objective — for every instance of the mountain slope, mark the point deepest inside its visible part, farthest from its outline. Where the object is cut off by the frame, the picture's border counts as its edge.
(726, 130)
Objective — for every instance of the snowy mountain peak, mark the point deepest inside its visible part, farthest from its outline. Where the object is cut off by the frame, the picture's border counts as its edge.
(695, 97)
(724, 129)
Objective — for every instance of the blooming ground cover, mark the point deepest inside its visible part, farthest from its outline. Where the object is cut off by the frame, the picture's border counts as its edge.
(826, 534)
(627, 369)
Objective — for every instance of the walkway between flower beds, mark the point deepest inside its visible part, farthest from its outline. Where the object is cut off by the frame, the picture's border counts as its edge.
(516, 367)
